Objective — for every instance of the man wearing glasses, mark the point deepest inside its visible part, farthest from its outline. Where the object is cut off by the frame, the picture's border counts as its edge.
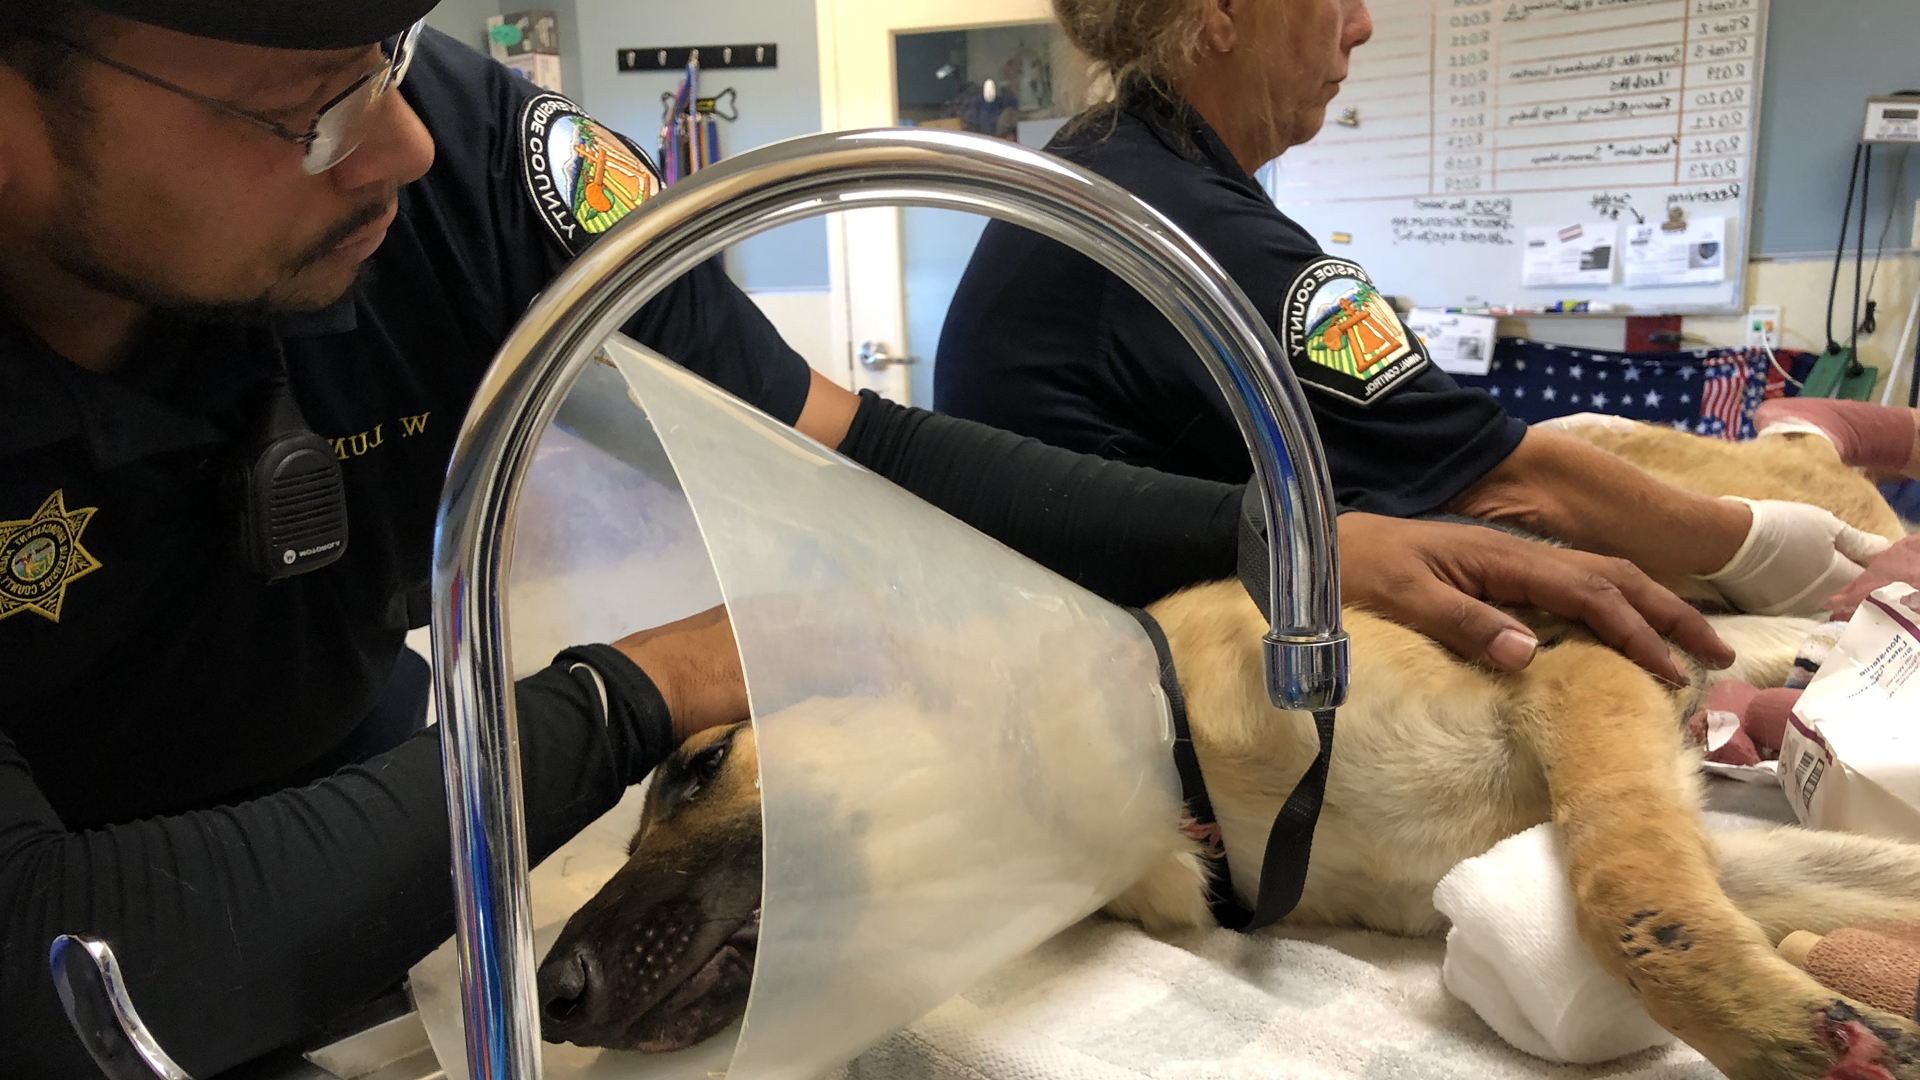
(227, 229)
(226, 223)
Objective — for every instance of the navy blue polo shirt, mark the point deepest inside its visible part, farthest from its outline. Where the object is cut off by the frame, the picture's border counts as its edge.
(148, 669)
(1043, 341)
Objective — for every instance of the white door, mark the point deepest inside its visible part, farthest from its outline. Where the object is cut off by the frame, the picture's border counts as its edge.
(888, 62)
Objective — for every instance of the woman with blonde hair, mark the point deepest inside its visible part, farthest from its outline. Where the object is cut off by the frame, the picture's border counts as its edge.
(1042, 341)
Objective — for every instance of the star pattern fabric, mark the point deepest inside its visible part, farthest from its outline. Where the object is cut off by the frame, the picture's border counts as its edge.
(1710, 392)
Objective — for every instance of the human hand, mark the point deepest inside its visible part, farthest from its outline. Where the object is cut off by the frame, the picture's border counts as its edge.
(695, 664)
(1437, 578)
(1901, 562)
(1795, 557)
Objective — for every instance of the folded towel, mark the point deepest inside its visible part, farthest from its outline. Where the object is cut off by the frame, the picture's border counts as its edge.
(1514, 957)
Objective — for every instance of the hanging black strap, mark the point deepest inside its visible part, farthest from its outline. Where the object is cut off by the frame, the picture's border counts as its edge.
(1840, 249)
(1283, 866)
(1283, 869)
(1861, 181)
(1854, 367)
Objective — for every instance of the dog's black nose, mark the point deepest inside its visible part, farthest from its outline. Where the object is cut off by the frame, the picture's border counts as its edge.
(566, 984)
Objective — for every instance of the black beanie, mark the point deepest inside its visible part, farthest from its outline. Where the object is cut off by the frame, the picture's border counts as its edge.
(279, 24)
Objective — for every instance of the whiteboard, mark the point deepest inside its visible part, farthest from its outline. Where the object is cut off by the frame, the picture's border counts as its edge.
(1468, 129)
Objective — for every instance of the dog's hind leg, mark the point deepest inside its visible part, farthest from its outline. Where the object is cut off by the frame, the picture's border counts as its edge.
(1645, 880)
(1795, 879)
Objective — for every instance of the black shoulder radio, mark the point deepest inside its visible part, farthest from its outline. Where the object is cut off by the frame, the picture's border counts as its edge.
(294, 499)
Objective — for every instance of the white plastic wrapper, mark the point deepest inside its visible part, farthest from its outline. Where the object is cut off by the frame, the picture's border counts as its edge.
(1851, 756)
(961, 753)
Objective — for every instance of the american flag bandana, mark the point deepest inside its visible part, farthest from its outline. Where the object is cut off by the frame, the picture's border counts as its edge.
(1710, 392)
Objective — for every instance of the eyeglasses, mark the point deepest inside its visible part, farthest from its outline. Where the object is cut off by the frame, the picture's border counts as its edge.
(336, 129)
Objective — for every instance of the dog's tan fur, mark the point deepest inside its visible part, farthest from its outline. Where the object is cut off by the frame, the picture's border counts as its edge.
(1437, 760)
(1798, 468)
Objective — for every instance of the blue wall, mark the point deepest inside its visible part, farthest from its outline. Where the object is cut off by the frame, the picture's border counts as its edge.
(774, 104)
(1824, 59)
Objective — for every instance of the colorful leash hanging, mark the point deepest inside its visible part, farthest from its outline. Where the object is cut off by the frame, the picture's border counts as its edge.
(677, 157)
(689, 126)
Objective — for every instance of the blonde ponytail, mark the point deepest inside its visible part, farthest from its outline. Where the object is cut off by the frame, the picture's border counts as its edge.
(1134, 40)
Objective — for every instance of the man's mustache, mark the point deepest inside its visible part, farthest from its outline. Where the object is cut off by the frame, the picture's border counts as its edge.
(339, 233)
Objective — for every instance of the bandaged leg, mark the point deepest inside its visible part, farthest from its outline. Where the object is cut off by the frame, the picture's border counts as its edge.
(1879, 438)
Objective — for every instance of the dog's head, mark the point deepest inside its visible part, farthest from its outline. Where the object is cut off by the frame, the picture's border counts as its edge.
(662, 957)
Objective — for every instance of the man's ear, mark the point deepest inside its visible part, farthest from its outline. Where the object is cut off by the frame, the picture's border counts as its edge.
(1216, 27)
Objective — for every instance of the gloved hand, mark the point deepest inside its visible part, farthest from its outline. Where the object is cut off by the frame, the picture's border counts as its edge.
(1794, 558)
(1900, 563)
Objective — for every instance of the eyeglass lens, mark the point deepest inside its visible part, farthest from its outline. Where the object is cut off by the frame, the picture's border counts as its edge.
(338, 130)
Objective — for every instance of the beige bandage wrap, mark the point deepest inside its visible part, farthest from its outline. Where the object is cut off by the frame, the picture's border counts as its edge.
(1880, 971)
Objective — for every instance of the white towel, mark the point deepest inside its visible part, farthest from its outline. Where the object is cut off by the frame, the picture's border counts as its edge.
(1106, 1001)
(1514, 957)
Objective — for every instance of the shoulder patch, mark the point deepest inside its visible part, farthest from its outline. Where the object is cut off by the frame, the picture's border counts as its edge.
(1342, 336)
(582, 176)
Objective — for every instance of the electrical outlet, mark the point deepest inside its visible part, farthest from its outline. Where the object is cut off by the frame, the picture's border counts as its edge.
(1763, 327)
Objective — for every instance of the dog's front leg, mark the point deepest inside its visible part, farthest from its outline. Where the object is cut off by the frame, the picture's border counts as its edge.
(1650, 906)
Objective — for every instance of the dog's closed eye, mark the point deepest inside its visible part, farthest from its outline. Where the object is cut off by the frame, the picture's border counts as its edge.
(704, 766)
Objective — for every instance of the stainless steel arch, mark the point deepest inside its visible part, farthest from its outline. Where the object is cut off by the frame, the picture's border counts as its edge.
(1306, 651)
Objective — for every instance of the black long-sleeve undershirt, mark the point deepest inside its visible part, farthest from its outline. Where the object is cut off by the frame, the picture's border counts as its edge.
(243, 928)
(1132, 535)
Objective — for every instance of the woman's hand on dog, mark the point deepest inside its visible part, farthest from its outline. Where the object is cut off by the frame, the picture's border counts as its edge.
(1442, 579)
(695, 665)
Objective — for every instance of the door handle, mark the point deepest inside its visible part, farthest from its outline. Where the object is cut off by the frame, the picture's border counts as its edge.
(876, 356)
(94, 995)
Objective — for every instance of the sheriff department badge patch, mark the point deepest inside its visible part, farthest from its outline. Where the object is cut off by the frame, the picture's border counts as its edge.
(581, 176)
(1342, 336)
(41, 556)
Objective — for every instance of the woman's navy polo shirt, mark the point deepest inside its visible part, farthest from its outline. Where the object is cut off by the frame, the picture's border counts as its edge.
(1043, 341)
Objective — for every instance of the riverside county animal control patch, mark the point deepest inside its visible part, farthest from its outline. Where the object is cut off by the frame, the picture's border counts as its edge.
(1342, 336)
(41, 556)
(582, 176)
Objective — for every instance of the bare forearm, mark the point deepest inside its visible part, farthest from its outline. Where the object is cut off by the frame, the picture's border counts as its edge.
(1561, 488)
(828, 412)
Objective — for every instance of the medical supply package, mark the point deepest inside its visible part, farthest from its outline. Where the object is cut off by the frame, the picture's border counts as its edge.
(1851, 757)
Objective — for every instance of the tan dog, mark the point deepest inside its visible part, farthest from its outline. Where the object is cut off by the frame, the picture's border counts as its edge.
(1437, 761)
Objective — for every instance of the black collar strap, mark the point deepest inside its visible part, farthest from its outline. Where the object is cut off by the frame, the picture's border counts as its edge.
(1199, 823)
(1283, 867)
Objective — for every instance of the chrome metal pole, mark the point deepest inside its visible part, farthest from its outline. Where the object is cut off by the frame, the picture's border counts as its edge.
(693, 221)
